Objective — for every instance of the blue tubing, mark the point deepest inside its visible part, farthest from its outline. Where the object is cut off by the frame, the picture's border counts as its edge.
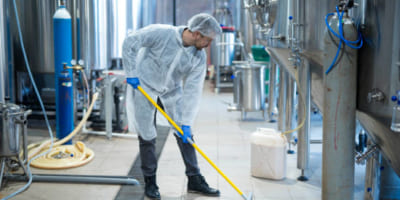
(341, 37)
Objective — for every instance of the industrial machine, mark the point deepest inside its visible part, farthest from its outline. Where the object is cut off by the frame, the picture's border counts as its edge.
(324, 57)
(13, 126)
(223, 47)
(98, 30)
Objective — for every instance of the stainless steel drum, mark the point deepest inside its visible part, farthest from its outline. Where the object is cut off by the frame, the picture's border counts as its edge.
(250, 85)
(226, 46)
(12, 126)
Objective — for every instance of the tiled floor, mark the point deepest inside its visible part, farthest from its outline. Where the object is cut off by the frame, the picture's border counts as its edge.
(221, 135)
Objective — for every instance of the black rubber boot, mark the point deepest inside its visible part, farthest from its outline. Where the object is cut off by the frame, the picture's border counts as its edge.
(197, 184)
(151, 188)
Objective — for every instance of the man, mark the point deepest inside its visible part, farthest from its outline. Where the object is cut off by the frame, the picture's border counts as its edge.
(170, 64)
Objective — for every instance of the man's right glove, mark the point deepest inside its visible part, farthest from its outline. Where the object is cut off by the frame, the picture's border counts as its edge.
(186, 133)
(134, 82)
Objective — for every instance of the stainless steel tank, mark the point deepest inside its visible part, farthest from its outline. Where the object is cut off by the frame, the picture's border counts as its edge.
(125, 16)
(378, 75)
(222, 48)
(251, 86)
(315, 27)
(10, 129)
(95, 32)
(226, 47)
(36, 20)
(104, 26)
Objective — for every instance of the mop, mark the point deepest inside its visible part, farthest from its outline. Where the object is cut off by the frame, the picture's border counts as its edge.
(248, 197)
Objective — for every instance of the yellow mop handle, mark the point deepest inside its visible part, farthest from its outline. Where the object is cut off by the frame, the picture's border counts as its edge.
(191, 142)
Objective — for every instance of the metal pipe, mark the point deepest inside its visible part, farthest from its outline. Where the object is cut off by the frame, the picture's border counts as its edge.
(289, 28)
(2, 164)
(271, 95)
(362, 157)
(303, 145)
(282, 99)
(107, 134)
(118, 180)
(315, 141)
(289, 108)
(3, 50)
(372, 174)
(299, 25)
(74, 29)
(339, 113)
(363, 5)
(108, 103)
(174, 12)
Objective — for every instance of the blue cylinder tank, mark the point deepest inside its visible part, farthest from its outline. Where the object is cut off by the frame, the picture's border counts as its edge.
(64, 84)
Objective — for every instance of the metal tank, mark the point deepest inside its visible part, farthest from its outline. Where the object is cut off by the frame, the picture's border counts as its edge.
(36, 21)
(339, 114)
(223, 47)
(12, 126)
(125, 17)
(95, 32)
(271, 22)
(226, 47)
(105, 25)
(378, 73)
(249, 87)
(314, 28)
(377, 68)
(10, 131)
(252, 83)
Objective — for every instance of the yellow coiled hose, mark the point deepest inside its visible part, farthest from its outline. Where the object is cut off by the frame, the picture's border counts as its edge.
(63, 156)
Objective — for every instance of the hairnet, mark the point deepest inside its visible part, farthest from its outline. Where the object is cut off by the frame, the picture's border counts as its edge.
(206, 24)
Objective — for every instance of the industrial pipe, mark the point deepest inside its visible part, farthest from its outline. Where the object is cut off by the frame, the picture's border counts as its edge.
(62, 178)
(289, 109)
(303, 145)
(282, 98)
(271, 93)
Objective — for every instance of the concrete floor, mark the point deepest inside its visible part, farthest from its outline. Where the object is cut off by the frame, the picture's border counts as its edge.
(220, 134)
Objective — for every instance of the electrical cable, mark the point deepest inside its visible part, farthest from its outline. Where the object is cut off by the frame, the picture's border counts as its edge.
(341, 37)
(41, 105)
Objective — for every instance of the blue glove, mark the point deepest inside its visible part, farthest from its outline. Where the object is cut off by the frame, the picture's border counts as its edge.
(134, 82)
(186, 133)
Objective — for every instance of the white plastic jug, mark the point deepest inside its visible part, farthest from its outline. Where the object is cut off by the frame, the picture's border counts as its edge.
(268, 154)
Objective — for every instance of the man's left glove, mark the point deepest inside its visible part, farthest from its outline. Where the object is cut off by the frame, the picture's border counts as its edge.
(134, 82)
(186, 133)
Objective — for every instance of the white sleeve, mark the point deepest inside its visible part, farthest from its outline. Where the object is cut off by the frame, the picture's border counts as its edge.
(192, 91)
(145, 37)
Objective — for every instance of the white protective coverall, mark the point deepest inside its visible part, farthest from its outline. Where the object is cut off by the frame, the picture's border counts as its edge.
(167, 70)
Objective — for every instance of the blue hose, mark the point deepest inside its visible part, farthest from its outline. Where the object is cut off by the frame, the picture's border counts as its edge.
(341, 37)
(41, 105)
